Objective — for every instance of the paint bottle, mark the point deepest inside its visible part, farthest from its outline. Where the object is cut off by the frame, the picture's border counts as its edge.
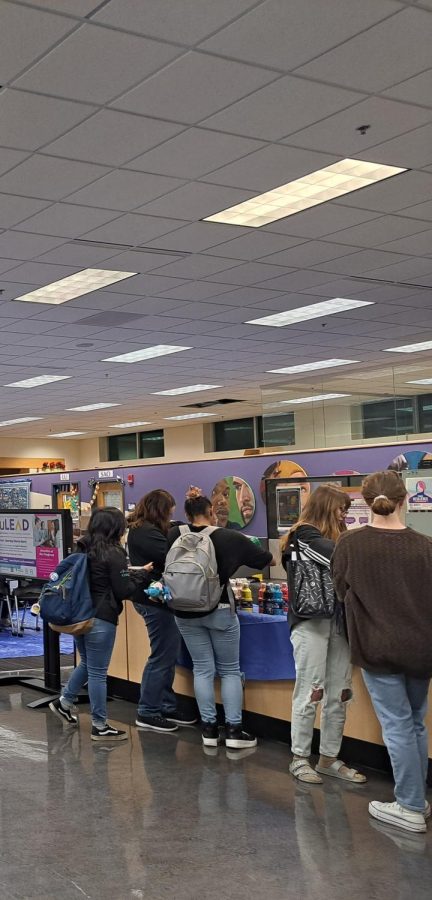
(246, 599)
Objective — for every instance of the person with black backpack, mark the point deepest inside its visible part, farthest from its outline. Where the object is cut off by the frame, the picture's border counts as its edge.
(321, 652)
(198, 567)
(111, 582)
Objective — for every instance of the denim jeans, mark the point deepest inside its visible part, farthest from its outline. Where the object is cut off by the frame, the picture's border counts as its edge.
(323, 674)
(95, 650)
(157, 697)
(213, 642)
(400, 703)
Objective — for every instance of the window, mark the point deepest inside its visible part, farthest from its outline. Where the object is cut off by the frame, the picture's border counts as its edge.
(425, 412)
(276, 431)
(389, 418)
(122, 446)
(236, 434)
(151, 444)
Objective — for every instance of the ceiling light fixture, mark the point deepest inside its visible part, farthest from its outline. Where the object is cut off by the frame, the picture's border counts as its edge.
(187, 390)
(189, 416)
(20, 421)
(149, 353)
(410, 348)
(37, 381)
(312, 367)
(74, 286)
(90, 407)
(130, 424)
(65, 434)
(305, 313)
(316, 397)
(333, 181)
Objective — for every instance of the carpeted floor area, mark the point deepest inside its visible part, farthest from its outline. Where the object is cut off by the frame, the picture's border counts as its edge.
(30, 644)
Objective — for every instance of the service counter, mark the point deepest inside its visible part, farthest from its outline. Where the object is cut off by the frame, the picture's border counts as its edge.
(265, 698)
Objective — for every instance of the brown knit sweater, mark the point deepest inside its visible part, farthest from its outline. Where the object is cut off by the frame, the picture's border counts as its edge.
(384, 577)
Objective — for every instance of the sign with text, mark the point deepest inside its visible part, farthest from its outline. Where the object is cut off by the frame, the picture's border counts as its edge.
(31, 544)
(106, 473)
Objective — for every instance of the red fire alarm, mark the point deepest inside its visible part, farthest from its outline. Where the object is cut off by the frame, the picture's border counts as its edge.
(130, 480)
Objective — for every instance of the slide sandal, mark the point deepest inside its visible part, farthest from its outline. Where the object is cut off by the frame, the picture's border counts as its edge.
(334, 770)
(303, 771)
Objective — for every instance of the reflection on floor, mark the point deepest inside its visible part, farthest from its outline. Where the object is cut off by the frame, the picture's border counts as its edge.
(157, 818)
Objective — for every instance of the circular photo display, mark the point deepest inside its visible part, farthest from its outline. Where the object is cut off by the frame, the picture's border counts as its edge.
(233, 502)
(286, 468)
(411, 459)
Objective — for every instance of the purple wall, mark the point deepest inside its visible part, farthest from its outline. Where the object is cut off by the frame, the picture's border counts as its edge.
(176, 477)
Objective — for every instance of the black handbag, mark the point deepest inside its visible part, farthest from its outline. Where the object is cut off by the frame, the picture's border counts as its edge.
(311, 588)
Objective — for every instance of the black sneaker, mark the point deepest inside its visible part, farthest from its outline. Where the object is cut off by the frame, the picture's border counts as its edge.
(210, 734)
(108, 733)
(236, 738)
(63, 713)
(179, 718)
(155, 723)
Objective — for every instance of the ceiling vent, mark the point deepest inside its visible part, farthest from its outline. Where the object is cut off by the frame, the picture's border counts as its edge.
(206, 403)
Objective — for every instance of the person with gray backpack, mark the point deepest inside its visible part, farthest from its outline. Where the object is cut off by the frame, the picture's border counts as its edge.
(200, 561)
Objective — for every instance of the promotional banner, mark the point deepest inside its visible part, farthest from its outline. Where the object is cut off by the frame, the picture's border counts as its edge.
(30, 544)
(419, 493)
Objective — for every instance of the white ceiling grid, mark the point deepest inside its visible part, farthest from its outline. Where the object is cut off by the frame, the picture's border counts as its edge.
(124, 124)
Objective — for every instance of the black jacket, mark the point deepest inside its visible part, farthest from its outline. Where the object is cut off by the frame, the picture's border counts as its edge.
(147, 543)
(312, 546)
(111, 583)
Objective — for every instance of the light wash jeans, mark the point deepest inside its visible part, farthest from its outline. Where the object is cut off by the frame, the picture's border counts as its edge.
(157, 697)
(95, 650)
(213, 642)
(323, 675)
(400, 703)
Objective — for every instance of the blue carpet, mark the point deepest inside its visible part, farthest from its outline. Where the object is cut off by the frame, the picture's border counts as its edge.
(30, 644)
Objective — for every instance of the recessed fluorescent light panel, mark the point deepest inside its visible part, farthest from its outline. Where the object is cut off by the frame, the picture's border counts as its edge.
(421, 381)
(316, 397)
(410, 348)
(314, 311)
(187, 390)
(334, 181)
(90, 407)
(312, 367)
(74, 286)
(20, 421)
(148, 353)
(130, 424)
(65, 434)
(37, 381)
(189, 416)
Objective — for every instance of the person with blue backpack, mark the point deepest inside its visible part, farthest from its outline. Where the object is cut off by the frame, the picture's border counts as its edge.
(110, 582)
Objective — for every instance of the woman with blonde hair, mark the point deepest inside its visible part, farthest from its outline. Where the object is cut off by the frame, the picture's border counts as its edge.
(321, 652)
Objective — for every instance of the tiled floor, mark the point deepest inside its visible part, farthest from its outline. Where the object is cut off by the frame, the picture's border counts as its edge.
(156, 818)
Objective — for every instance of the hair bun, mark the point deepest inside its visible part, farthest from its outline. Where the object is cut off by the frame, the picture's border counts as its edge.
(193, 492)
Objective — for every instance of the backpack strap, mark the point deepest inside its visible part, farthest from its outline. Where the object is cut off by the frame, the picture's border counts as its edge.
(184, 529)
(210, 529)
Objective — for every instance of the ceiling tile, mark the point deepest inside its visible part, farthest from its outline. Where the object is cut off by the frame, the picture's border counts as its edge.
(75, 7)
(281, 108)
(130, 59)
(112, 137)
(30, 121)
(15, 209)
(47, 177)
(297, 281)
(146, 285)
(410, 270)
(76, 254)
(194, 86)
(40, 274)
(359, 262)
(415, 245)
(287, 34)
(310, 253)
(197, 237)
(185, 21)
(26, 246)
(194, 153)
(392, 195)
(414, 90)
(420, 210)
(411, 151)
(320, 221)
(10, 158)
(124, 190)
(25, 34)
(339, 133)
(132, 229)
(395, 50)
(205, 291)
(253, 246)
(139, 261)
(196, 266)
(249, 273)
(64, 219)
(194, 201)
(380, 230)
(269, 167)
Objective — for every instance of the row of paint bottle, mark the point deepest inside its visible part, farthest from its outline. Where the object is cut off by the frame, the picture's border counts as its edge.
(270, 598)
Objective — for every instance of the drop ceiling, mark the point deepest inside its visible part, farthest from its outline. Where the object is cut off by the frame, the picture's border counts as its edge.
(124, 124)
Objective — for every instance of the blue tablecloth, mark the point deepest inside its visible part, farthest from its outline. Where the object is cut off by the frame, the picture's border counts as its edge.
(265, 648)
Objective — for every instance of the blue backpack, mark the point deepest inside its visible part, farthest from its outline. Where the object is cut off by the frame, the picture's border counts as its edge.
(65, 600)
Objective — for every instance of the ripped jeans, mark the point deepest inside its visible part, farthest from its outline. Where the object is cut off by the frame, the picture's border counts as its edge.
(323, 675)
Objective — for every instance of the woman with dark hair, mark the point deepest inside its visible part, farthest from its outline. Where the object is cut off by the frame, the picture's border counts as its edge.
(213, 639)
(110, 584)
(321, 652)
(382, 573)
(147, 541)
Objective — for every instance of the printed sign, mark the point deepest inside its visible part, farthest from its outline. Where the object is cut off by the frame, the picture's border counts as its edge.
(106, 473)
(30, 544)
(358, 514)
(64, 476)
(419, 493)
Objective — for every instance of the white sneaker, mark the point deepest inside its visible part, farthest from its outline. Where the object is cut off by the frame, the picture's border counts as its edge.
(395, 814)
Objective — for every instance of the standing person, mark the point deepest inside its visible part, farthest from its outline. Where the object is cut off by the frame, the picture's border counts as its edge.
(213, 639)
(382, 572)
(321, 652)
(110, 584)
(147, 541)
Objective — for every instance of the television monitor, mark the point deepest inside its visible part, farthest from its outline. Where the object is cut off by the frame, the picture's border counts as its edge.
(33, 541)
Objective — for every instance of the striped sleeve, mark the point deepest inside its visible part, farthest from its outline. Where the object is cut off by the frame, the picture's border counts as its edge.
(319, 549)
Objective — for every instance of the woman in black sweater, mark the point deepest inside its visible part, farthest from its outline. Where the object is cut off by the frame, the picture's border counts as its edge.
(147, 541)
(110, 584)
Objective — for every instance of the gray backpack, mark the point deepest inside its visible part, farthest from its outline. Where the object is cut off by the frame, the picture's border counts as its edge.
(191, 574)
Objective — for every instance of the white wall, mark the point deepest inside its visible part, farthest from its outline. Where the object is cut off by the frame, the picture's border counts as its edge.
(41, 448)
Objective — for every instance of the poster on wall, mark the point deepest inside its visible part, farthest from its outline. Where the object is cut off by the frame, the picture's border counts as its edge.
(359, 513)
(286, 468)
(419, 493)
(233, 502)
(30, 544)
(15, 495)
(287, 507)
